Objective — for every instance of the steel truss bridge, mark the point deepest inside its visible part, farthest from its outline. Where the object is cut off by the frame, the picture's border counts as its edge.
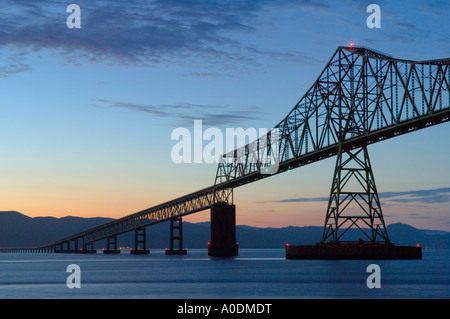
(361, 97)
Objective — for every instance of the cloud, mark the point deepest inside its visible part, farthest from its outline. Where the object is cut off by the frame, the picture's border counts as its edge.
(429, 196)
(185, 113)
(154, 110)
(302, 200)
(134, 32)
(13, 69)
(439, 195)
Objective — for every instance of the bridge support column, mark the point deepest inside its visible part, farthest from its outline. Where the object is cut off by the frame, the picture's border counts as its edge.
(111, 246)
(223, 231)
(354, 203)
(88, 248)
(60, 248)
(75, 248)
(354, 200)
(140, 243)
(176, 234)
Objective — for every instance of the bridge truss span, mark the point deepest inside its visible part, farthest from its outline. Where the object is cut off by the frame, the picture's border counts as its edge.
(185, 205)
(361, 97)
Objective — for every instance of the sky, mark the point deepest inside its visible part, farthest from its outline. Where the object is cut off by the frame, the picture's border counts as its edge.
(87, 113)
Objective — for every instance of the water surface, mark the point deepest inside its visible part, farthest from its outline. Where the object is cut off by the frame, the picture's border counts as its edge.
(255, 273)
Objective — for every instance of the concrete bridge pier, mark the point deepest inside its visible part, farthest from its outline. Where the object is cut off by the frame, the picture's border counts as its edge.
(62, 248)
(176, 235)
(111, 246)
(140, 246)
(223, 231)
(88, 248)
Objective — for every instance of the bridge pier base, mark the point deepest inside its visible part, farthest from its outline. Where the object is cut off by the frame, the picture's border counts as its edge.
(111, 246)
(354, 203)
(353, 251)
(88, 248)
(223, 231)
(176, 234)
(140, 243)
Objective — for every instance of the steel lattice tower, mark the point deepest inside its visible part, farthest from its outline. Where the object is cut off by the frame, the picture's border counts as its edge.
(354, 200)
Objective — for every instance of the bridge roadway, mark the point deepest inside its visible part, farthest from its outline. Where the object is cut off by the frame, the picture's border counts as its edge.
(354, 91)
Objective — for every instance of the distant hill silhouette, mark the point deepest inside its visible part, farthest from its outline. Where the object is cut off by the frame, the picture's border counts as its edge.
(18, 230)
